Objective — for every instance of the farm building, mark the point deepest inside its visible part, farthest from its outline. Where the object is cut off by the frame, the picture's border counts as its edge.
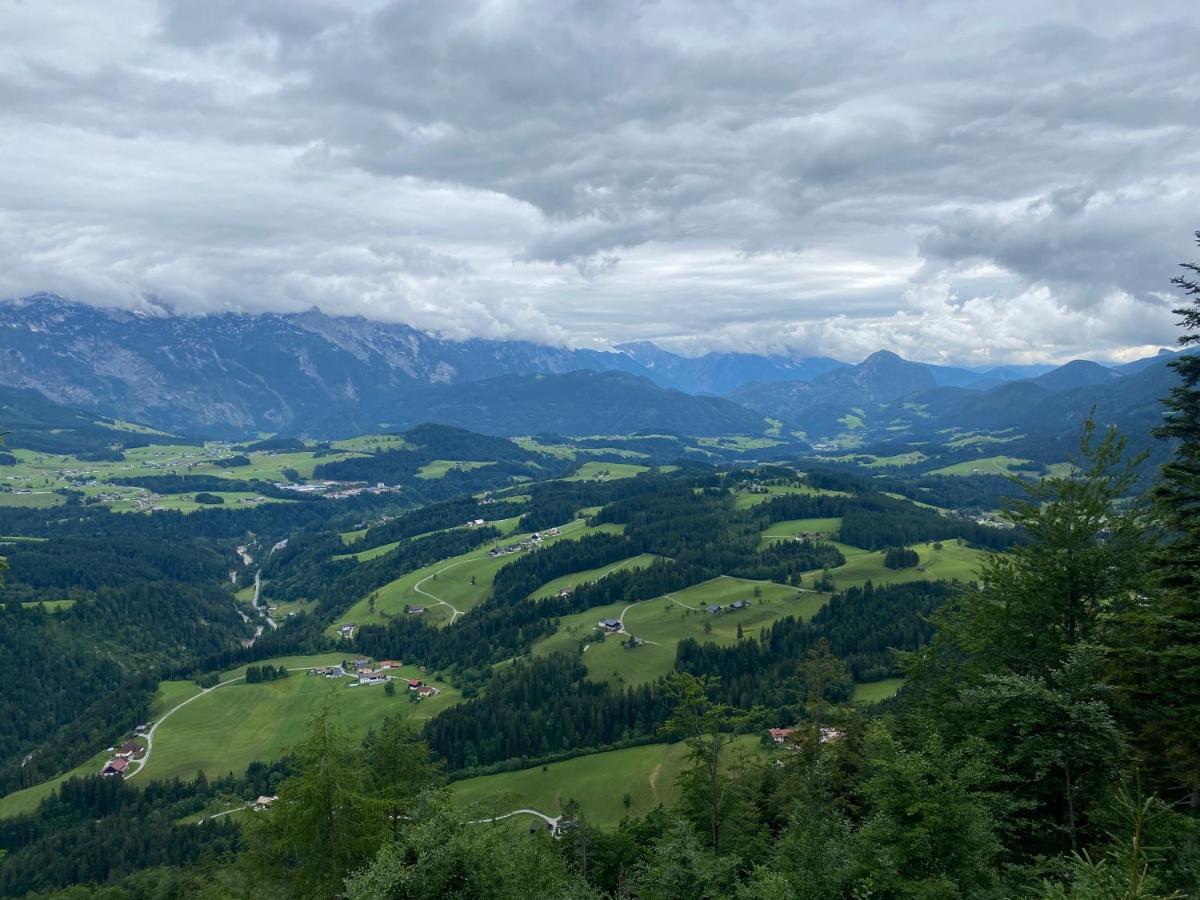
(369, 677)
(610, 624)
(781, 735)
(713, 610)
(115, 767)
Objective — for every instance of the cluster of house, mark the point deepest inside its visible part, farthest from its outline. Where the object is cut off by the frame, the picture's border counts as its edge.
(334, 490)
(422, 689)
(736, 606)
(121, 757)
(363, 672)
(528, 544)
(787, 736)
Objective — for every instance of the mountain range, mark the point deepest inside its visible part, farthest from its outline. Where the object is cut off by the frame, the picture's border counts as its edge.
(235, 375)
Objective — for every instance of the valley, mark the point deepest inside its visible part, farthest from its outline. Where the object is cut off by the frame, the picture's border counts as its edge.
(520, 610)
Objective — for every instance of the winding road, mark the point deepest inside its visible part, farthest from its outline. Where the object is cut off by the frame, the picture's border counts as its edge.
(455, 611)
(149, 735)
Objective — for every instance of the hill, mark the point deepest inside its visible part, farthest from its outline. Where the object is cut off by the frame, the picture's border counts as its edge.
(31, 421)
(580, 403)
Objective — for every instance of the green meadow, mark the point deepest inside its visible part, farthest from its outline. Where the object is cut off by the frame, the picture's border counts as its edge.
(955, 561)
(233, 725)
(462, 581)
(664, 621)
(598, 782)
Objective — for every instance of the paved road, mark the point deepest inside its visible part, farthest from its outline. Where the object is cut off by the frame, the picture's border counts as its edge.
(149, 735)
(455, 611)
(552, 821)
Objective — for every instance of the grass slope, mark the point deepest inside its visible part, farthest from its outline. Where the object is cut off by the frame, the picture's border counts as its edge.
(232, 726)
(598, 782)
(451, 580)
(954, 561)
(666, 621)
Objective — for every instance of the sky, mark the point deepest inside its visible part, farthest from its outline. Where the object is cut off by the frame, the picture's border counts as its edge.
(961, 182)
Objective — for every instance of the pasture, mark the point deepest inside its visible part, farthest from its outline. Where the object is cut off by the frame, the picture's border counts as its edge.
(606, 471)
(598, 782)
(955, 561)
(664, 621)
(874, 691)
(462, 581)
(233, 725)
(988, 465)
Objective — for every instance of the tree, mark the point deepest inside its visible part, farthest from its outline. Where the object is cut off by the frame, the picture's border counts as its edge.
(822, 672)
(1156, 643)
(707, 727)
(389, 689)
(679, 867)
(326, 822)
(931, 829)
(1057, 737)
(1088, 553)
(437, 854)
(1122, 871)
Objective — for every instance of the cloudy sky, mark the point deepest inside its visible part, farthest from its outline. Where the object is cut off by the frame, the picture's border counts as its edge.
(961, 182)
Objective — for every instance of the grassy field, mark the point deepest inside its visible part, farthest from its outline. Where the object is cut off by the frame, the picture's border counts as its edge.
(439, 467)
(598, 783)
(953, 561)
(234, 725)
(33, 500)
(43, 473)
(989, 465)
(462, 581)
(51, 605)
(26, 800)
(745, 499)
(665, 621)
(551, 588)
(875, 691)
(606, 471)
(792, 527)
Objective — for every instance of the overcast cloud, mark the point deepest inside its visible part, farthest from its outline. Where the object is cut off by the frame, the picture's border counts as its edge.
(960, 182)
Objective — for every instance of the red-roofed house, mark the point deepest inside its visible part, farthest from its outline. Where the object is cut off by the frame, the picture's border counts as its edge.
(781, 735)
(115, 767)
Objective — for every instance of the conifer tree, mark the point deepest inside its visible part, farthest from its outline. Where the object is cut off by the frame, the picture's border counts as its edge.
(1156, 644)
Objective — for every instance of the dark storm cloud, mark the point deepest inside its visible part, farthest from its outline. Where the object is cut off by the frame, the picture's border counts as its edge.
(967, 182)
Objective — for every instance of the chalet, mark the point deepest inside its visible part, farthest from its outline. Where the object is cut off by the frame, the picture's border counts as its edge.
(416, 610)
(362, 663)
(427, 690)
(781, 735)
(389, 664)
(264, 802)
(551, 532)
(415, 684)
(713, 610)
(564, 593)
(129, 749)
(141, 729)
(115, 767)
(347, 630)
(610, 625)
(739, 604)
(369, 677)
